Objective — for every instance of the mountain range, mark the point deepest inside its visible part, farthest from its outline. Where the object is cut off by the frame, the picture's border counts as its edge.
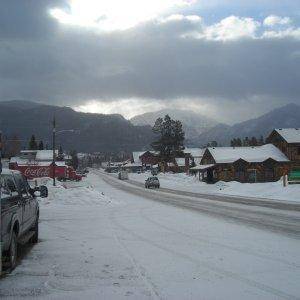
(90, 132)
(113, 133)
(287, 116)
(194, 124)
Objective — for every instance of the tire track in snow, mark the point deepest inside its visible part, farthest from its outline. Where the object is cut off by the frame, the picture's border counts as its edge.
(215, 269)
(272, 220)
(139, 269)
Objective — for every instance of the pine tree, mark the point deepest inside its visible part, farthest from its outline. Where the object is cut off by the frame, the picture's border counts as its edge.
(253, 141)
(60, 155)
(238, 142)
(170, 138)
(261, 140)
(41, 145)
(32, 143)
(74, 160)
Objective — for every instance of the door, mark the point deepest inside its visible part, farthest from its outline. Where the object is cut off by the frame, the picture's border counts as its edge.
(9, 205)
(26, 199)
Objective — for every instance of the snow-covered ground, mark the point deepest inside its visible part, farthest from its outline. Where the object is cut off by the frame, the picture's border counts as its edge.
(183, 182)
(97, 242)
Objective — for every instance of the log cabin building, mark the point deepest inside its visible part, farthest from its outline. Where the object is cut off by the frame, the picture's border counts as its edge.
(288, 141)
(244, 164)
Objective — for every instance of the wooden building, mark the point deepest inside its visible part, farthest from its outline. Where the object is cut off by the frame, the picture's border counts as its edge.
(244, 164)
(288, 141)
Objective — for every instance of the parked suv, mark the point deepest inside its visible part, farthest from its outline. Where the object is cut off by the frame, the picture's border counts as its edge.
(19, 214)
(152, 182)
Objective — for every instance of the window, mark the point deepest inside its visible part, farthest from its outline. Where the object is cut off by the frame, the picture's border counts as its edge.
(21, 184)
(5, 192)
(8, 185)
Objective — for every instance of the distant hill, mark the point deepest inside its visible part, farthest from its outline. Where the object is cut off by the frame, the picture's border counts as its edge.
(284, 117)
(193, 123)
(95, 132)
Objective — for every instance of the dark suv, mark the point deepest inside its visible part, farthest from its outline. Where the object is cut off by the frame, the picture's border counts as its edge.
(152, 182)
(19, 214)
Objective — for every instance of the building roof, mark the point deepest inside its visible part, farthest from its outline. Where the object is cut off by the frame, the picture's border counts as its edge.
(249, 154)
(202, 167)
(180, 161)
(291, 135)
(137, 154)
(45, 154)
(195, 152)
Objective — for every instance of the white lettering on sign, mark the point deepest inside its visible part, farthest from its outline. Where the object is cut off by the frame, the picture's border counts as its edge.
(37, 172)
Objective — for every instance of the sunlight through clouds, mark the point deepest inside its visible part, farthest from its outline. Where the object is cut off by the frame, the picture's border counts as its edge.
(114, 14)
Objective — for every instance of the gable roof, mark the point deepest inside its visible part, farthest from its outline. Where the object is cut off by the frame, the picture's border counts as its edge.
(249, 154)
(137, 154)
(291, 135)
(195, 152)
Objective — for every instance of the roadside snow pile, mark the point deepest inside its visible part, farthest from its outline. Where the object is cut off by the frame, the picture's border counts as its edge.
(269, 190)
(74, 194)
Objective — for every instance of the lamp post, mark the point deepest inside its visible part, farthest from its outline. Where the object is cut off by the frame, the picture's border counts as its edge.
(54, 134)
(0, 206)
(53, 147)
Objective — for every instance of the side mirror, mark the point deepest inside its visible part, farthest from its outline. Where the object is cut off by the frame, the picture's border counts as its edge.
(43, 191)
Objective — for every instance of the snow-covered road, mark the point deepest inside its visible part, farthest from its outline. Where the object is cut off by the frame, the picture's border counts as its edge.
(102, 242)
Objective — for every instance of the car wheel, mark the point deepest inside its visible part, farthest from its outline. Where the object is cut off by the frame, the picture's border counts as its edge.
(35, 237)
(13, 251)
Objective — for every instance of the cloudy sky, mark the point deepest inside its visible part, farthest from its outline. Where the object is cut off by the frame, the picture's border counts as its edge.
(229, 59)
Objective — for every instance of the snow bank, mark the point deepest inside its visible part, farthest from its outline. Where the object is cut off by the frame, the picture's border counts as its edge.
(74, 193)
(183, 182)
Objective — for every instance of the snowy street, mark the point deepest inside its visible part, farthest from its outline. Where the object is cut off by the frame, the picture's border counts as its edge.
(107, 239)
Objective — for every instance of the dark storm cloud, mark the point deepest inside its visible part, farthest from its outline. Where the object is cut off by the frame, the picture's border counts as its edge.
(42, 61)
(27, 18)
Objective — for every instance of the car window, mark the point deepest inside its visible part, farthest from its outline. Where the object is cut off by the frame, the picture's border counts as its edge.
(5, 192)
(22, 186)
(9, 184)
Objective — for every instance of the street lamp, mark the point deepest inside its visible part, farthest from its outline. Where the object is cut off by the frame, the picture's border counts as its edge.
(0, 206)
(54, 134)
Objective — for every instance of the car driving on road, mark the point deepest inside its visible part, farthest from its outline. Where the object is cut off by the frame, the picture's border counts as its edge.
(152, 182)
(19, 214)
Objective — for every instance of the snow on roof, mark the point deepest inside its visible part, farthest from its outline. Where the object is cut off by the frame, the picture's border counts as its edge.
(195, 152)
(202, 167)
(28, 151)
(132, 165)
(136, 156)
(291, 135)
(180, 161)
(45, 154)
(249, 154)
(8, 171)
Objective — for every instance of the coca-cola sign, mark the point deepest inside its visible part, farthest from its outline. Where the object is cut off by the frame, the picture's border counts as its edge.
(37, 172)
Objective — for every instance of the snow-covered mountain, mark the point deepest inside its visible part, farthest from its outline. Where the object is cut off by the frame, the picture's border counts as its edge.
(194, 124)
(287, 116)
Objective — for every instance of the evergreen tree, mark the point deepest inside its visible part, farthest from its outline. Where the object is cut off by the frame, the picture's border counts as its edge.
(32, 143)
(170, 138)
(214, 144)
(74, 160)
(41, 145)
(246, 142)
(261, 140)
(253, 141)
(238, 142)
(60, 155)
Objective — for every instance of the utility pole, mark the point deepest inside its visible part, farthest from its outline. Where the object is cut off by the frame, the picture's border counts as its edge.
(0, 206)
(53, 147)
